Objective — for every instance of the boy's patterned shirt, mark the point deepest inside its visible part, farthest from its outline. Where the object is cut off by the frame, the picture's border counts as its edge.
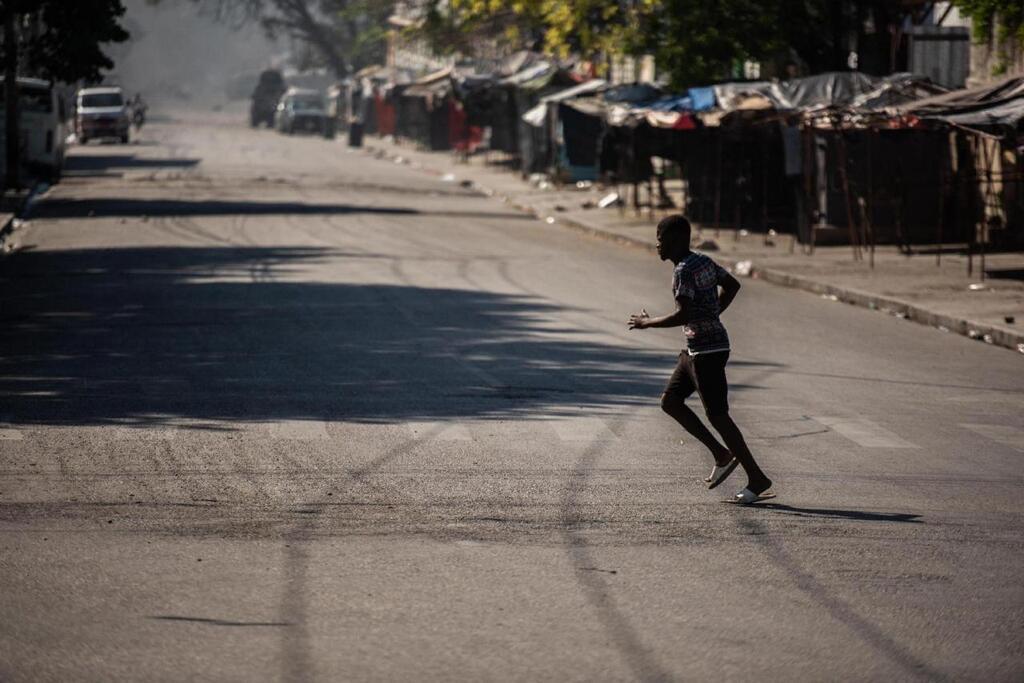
(695, 283)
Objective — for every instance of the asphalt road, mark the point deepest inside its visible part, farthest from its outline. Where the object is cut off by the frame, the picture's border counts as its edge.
(271, 409)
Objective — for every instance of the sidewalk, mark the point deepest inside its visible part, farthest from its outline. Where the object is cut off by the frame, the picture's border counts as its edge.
(912, 288)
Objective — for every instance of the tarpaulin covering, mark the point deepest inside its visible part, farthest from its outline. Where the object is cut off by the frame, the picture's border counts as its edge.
(1000, 106)
(437, 84)
(672, 103)
(895, 90)
(837, 88)
(535, 117)
(702, 98)
(633, 93)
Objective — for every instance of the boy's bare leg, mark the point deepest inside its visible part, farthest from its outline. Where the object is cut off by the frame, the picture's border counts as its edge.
(692, 424)
(758, 482)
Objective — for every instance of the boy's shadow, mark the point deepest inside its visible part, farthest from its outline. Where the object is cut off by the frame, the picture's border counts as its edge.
(859, 515)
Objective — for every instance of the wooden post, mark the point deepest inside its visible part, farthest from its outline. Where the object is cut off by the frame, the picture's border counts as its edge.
(718, 184)
(764, 188)
(810, 199)
(942, 202)
(11, 121)
(942, 211)
(650, 194)
(845, 182)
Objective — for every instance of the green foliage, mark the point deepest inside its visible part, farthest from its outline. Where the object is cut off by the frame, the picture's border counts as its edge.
(63, 40)
(695, 41)
(1004, 18)
(699, 42)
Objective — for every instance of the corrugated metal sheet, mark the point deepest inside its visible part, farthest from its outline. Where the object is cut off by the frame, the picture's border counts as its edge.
(942, 53)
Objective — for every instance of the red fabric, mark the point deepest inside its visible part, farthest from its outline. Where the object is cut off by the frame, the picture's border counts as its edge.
(457, 129)
(462, 136)
(385, 112)
(685, 122)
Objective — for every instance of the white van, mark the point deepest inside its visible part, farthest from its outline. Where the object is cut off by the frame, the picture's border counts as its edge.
(42, 128)
(101, 113)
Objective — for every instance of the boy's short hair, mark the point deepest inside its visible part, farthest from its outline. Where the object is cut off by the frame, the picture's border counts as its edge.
(677, 226)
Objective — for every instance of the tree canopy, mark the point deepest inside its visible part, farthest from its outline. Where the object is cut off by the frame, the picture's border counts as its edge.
(1005, 18)
(344, 35)
(63, 40)
(696, 41)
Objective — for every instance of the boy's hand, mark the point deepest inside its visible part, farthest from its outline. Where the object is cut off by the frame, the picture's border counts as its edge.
(638, 321)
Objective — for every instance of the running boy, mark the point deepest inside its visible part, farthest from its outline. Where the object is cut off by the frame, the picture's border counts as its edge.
(701, 367)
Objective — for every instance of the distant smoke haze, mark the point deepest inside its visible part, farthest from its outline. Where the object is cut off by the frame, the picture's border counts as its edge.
(177, 53)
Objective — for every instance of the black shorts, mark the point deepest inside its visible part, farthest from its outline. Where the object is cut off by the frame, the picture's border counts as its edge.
(704, 373)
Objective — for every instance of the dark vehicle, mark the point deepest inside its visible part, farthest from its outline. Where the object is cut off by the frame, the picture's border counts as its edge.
(265, 97)
(304, 111)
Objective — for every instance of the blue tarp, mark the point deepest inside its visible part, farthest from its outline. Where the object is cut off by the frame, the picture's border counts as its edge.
(703, 98)
(672, 103)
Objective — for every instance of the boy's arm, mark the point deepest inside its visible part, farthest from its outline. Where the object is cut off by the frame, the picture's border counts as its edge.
(730, 287)
(641, 321)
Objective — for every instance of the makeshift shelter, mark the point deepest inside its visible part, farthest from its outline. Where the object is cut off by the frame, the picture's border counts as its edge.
(985, 177)
(423, 110)
(541, 140)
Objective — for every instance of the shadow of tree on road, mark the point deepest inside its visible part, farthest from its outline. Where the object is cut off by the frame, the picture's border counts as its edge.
(171, 334)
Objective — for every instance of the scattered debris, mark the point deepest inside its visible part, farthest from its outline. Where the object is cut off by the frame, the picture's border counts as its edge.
(744, 232)
(610, 199)
(537, 178)
(549, 220)
(559, 207)
(18, 224)
(942, 328)
(708, 245)
(584, 184)
(1020, 347)
(743, 268)
(448, 178)
(589, 204)
(466, 183)
(974, 334)
(988, 339)
(1009, 319)
(976, 286)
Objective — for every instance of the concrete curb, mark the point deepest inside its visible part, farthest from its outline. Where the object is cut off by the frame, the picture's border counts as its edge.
(6, 228)
(7, 218)
(895, 307)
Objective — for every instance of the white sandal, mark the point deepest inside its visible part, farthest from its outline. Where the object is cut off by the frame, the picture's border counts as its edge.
(721, 473)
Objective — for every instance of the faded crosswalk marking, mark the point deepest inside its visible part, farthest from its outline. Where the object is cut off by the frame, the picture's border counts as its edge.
(440, 431)
(1004, 434)
(863, 432)
(299, 430)
(582, 429)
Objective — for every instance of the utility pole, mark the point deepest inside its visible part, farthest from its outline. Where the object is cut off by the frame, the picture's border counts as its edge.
(11, 100)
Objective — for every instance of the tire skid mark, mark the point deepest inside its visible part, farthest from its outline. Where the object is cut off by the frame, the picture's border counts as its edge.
(297, 659)
(596, 587)
(837, 608)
